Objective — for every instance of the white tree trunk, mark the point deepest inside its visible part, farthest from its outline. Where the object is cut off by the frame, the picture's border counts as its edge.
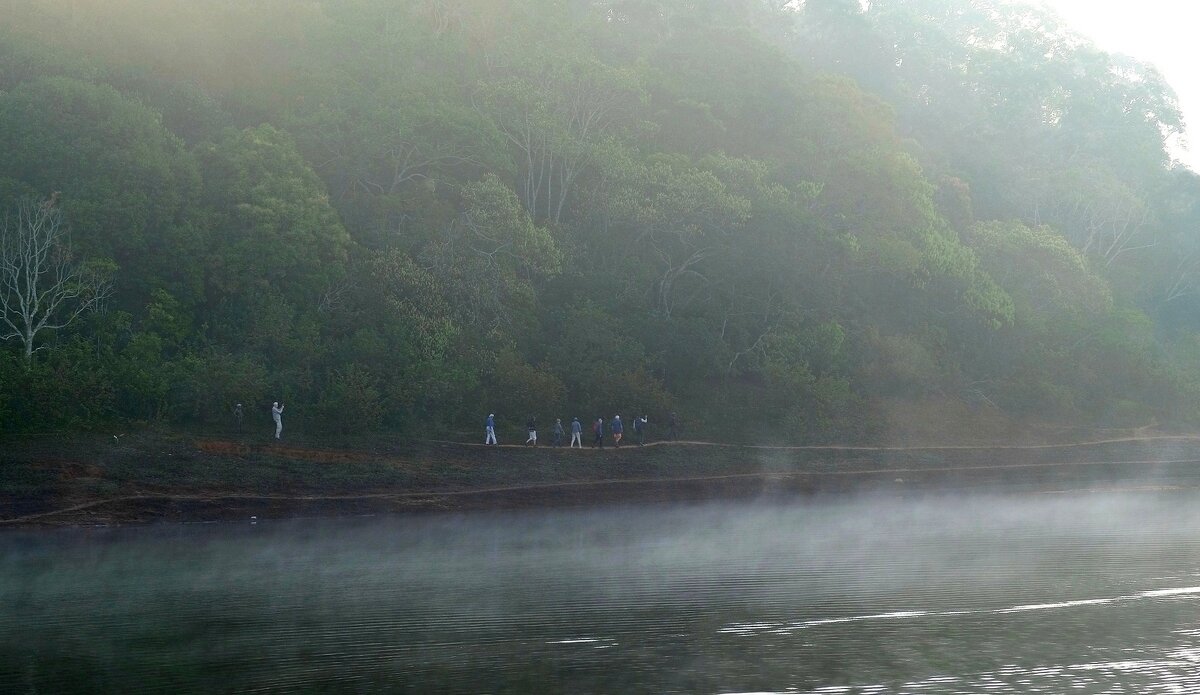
(41, 287)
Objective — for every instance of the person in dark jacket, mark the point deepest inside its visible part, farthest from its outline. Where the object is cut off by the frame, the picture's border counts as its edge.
(618, 430)
(598, 431)
(639, 429)
(558, 432)
(531, 426)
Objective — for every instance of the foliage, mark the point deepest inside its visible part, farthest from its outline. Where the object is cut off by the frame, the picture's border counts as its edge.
(773, 221)
(350, 402)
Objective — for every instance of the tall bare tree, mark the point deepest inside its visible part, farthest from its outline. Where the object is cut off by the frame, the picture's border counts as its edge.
(42, 287)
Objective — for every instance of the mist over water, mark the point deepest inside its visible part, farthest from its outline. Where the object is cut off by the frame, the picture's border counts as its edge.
(881, 594)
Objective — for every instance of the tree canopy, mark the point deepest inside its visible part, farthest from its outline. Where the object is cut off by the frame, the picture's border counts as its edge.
(779, 222)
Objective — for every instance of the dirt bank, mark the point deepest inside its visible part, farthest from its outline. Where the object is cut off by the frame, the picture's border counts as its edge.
(159, 476)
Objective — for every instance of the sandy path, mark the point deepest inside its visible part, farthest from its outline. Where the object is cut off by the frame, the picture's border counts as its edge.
(835, 447)
(766, 475)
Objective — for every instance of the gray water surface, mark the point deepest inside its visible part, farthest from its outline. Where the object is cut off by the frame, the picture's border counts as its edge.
(1085, 593)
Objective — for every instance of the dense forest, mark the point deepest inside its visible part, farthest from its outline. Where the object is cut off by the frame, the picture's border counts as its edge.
(807, 221)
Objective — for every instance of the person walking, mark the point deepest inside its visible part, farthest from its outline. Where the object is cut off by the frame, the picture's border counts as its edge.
(672, 428)
(490, 430)
(598, 431)
(639, 429)
(277, 416)
(238, 416)
(531, 426)
(576, 433)
(618, 430)
(558, 432)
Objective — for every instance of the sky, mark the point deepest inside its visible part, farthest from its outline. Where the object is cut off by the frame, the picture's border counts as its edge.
(1159, 32)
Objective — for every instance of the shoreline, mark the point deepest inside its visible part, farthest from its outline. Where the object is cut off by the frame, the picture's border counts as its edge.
(173, 477)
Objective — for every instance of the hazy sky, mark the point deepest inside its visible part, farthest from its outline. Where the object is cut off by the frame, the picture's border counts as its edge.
(1159, 32)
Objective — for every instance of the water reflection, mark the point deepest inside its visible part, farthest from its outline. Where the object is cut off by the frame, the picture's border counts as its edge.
(1086, 593)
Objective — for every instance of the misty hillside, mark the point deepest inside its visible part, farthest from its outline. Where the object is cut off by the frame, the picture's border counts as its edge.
(798, 224)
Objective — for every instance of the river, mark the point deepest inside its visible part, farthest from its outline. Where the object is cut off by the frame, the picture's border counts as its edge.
(1082, 593)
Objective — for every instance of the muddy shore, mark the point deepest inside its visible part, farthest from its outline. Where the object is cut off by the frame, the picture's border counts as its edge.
(157, 477)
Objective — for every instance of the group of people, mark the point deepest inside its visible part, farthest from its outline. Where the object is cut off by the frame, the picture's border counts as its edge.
(239, 415)
(615, 427)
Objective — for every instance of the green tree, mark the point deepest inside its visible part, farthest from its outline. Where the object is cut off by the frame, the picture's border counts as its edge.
(126, 183)
(273, 225)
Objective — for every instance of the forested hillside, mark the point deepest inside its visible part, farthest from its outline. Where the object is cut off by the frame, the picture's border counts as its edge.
(788, 223)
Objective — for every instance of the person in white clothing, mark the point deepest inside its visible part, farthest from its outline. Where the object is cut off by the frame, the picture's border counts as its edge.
(576, 434)
(490, 430)
(277, 416)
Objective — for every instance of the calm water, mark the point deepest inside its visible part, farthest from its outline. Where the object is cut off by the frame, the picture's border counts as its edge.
(1086, 593)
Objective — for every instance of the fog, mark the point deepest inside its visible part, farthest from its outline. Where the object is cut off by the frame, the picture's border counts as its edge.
(819, 592)
(911, 222)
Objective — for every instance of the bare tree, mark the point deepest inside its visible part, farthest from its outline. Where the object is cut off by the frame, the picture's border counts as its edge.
(42, 287)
